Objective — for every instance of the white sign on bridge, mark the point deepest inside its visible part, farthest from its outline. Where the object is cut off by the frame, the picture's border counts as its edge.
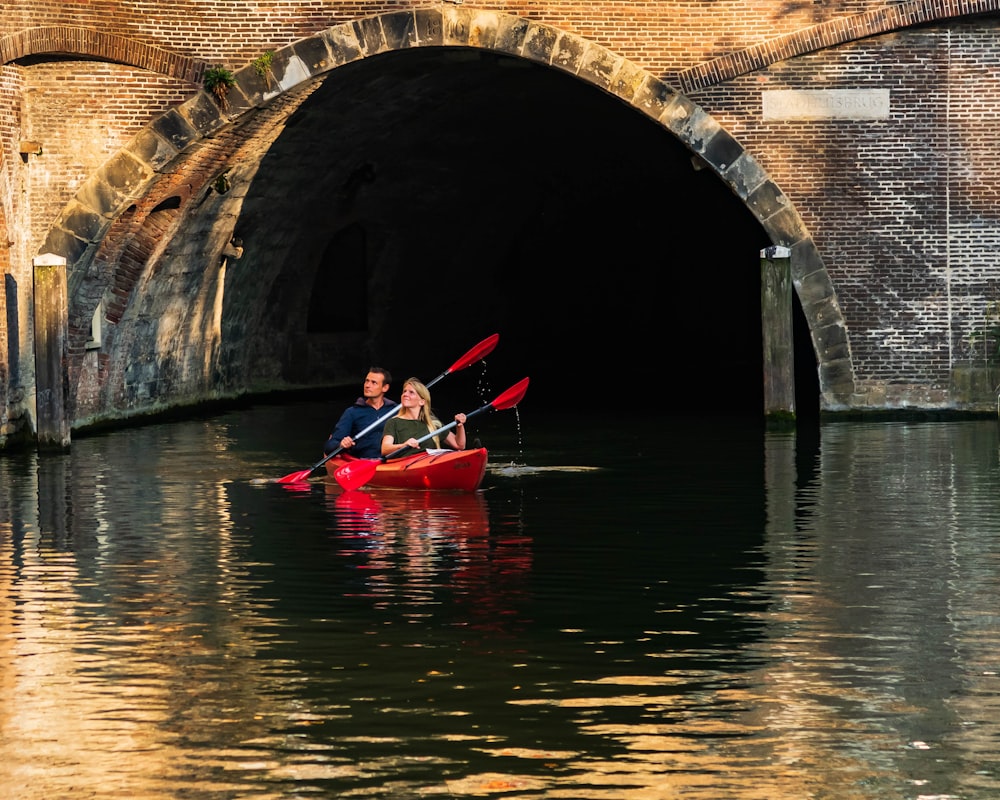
(791, 104)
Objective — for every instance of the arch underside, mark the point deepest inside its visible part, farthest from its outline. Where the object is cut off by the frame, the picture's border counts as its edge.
(164, 192)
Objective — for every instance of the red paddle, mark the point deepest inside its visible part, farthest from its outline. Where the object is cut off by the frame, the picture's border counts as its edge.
(477, 353)
(356, 474)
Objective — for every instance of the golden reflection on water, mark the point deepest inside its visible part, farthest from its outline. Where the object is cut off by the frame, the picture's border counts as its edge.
(102, 696)
(59, 728)
(144, 654)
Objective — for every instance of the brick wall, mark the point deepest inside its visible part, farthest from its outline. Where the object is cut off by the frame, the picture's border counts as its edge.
(82, 118)
(902, 210)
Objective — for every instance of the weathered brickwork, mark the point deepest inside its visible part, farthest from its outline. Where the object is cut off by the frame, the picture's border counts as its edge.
(827, 32)
(901, 211)
(916, 276)
(131, 246)
(81, 120)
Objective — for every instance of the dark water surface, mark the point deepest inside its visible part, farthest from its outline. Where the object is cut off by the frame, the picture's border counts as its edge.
(693, 609)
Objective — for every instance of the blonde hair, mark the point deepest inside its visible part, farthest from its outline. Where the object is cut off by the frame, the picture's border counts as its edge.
(425, 415)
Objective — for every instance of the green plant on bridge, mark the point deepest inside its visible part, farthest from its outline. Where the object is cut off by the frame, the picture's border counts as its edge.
(218, 80)
(262, 65)
(222, 184)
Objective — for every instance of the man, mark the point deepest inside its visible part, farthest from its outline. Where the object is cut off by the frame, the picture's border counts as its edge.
(371, 406)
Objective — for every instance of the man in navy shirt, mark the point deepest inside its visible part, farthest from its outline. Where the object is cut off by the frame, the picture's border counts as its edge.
(371, 406)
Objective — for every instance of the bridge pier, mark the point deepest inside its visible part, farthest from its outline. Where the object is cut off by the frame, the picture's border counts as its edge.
(776, 329)
(51, 329)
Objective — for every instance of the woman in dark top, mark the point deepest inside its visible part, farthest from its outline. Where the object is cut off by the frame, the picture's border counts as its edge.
(416, 420)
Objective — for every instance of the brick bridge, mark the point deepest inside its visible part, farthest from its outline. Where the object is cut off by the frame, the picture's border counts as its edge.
(394, 181)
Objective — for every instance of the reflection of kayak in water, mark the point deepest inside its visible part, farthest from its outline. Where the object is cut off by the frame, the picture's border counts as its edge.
(414, 547)
(390, 510)
(446, 470)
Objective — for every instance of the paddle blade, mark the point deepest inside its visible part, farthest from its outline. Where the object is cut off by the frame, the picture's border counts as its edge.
(512, 396)
(296, 477)
(477, 353)
(355, 474)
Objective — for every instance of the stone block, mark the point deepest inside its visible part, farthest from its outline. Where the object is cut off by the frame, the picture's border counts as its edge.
(315, 54)
(767, 200)
(473, 27)
(627, 80)
(72, 247)
(745, 175)
(568, 53)
(651, 96)
(428, 28)
(539, 42)
(814, 289)
(399, 29)
(722, 150)
(511, 33)
(370, 36)
(837, 377)
(785, 225)
(151, 149)
(84, 222)
(175, 129)
(599, 66)
(203, 114)
(342, 41)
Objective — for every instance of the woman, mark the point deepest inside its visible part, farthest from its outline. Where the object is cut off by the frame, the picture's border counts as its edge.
(416, 420)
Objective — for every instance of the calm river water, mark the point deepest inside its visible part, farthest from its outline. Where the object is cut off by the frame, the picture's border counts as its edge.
(690, 609)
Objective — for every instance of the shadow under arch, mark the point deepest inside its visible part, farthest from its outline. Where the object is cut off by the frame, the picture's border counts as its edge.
(129, 175)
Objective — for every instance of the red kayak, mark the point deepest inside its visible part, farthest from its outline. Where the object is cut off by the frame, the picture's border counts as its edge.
(447, 470)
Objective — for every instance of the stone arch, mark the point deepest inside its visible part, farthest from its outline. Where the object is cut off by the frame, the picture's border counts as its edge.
(128, 178)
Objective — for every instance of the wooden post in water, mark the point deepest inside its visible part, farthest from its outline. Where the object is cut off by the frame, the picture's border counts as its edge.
(51, 330)
(776, 325)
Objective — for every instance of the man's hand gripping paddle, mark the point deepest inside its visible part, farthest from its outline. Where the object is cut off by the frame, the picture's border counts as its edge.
(357, 473)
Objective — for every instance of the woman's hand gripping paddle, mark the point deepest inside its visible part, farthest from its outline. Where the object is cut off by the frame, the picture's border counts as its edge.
(356, 474)
(477, 353)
